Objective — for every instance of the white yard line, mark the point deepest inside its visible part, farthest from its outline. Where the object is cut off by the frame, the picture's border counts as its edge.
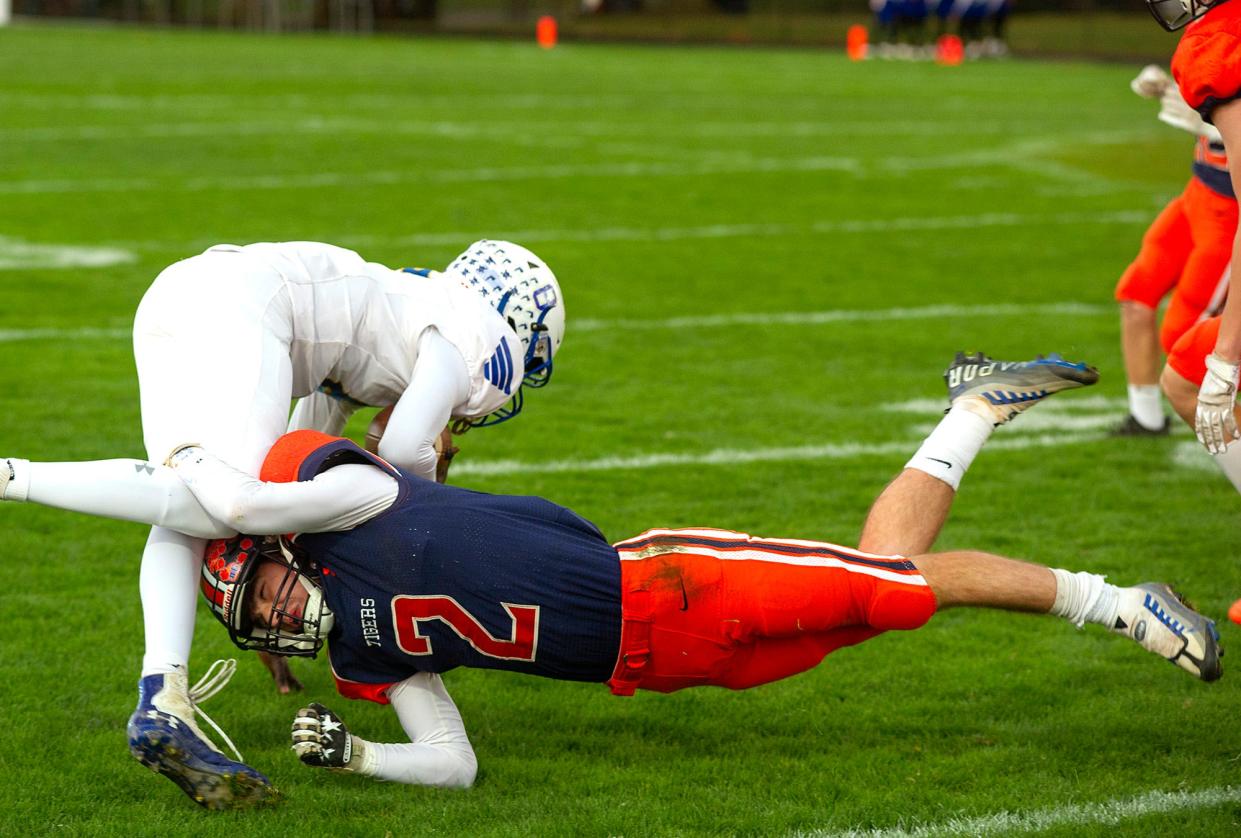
(1191, 455)
(816, 318)
(14, 335)
(787, 318)
(17, 255)
(546, 130)
(483, 174)
(848, 226)
(1107, 812)
(737, 456)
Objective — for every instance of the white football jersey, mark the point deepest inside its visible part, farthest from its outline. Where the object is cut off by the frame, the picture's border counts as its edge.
(354, 325)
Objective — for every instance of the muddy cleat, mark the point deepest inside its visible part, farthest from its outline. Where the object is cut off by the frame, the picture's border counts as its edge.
(999, 390)
(1132, 427)
(164, 737)
(1161, 622)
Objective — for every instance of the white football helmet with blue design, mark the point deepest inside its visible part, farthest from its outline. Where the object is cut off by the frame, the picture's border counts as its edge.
(521, 287)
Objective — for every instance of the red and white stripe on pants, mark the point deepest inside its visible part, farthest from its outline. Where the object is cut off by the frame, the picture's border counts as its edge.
(719, 608)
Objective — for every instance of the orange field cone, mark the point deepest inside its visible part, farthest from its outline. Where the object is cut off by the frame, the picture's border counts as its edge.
(855, 42)
(949, 51)
(545, 32)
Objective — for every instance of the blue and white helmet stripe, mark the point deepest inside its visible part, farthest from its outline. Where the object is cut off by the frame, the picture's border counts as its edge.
(498, 369)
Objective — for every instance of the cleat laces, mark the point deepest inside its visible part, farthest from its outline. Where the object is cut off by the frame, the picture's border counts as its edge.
(215, 679)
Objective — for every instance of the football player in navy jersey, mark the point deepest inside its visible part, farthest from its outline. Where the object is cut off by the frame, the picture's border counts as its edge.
(404, 578)
(225, 339)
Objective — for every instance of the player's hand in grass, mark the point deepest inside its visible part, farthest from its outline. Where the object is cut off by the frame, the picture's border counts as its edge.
(1214, 421)
(278, 666)
(321, 739)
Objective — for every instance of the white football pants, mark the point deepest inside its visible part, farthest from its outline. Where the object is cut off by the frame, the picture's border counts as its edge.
(212, 341)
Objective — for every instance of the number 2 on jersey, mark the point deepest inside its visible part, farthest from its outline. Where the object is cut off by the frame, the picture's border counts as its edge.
(408, 611)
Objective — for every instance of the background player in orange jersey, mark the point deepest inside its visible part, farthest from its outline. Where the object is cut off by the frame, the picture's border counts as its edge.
(1207, 68)
(407, 578)
(1185, 253)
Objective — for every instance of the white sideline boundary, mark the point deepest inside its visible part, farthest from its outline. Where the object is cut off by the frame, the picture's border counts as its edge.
(790, 318)
(1108, 812)
(737, 456)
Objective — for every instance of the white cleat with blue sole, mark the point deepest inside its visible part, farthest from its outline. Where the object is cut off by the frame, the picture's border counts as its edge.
(1162, 622)
(999, 390)
(164, 737)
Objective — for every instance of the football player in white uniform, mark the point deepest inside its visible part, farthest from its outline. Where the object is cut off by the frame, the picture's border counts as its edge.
(224, 340)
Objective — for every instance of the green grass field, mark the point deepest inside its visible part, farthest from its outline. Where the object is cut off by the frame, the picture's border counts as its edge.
(768, 259)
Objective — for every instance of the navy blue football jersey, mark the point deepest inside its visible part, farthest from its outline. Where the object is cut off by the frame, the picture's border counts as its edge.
(448, 577)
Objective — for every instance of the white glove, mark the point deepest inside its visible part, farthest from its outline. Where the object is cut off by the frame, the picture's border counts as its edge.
(1214, 421)
(321, 739)
(1174, 111)
(1151, 82)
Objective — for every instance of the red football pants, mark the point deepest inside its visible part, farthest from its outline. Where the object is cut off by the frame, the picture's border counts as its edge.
(719, 608)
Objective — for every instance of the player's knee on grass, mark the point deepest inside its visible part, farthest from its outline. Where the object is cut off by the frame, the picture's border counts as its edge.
(1182, 394)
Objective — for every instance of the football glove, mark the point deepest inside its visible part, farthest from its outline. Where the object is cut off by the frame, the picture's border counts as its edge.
(321, 739)
(1174, 111)
(1151, 82)
(1214, 422)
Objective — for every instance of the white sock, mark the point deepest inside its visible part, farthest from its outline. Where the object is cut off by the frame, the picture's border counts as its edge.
(1229, 463)
(1085, 598)
(18, 485)
(947, 453)
(1146, 405)
(168, 583)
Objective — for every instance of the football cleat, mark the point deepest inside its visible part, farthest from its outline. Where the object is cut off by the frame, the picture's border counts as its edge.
(1132, 427)
(1000, 390)
(1161, 622)
(164, 737)
(6, 474)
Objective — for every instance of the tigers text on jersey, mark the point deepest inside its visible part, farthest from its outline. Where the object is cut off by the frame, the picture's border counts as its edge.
(351, 326)
(447, 577)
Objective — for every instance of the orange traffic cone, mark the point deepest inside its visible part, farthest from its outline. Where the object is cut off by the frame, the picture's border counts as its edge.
(545, 32)
(855, 43)
(949, 51)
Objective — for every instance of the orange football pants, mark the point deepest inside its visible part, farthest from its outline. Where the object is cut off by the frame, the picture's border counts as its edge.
(1189, 354)
(709, 607)
(1186, 250)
